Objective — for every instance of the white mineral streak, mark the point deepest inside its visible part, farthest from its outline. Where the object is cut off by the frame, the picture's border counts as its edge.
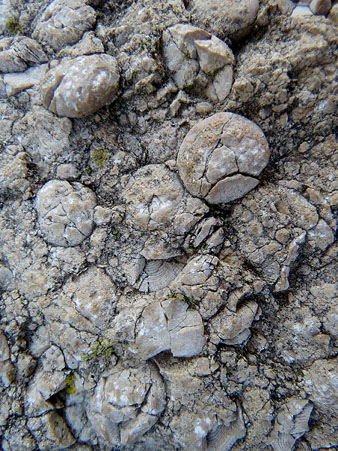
(221, 158)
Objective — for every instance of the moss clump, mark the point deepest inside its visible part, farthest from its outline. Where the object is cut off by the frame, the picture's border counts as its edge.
(13, 26)
(98, 349)
(192, 304)
(70, 386)
(99, 157)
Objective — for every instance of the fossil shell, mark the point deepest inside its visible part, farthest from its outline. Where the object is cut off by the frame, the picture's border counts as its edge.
(157, 274)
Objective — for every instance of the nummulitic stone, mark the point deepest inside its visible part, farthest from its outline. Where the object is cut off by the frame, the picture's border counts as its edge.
(232, 18)
(80, 86)
(65, 212)
(221, 158)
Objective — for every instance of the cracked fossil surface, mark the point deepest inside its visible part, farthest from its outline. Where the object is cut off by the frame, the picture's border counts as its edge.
(65, 212)
(221, 158)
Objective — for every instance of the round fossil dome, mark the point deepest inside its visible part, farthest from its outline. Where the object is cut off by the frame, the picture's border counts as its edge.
(221, 157)
(80, 86)
(65, 212)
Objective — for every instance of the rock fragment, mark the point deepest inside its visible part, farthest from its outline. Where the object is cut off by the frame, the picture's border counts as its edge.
(321, 384)
(51, 432)
(63, 22)
(93, 294)
(18, 53)
(126, 404)
(16, 82)
(233, 328)
(321, 7)
(225, 17)
(169, 325)
(65, 212)
(221, 157)
(80, 86)
(198, 61)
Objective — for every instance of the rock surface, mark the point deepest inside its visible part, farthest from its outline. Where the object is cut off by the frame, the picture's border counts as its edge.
(127, 403)
(18, 53)
(225, 18)
(150, 299)
(198, 61)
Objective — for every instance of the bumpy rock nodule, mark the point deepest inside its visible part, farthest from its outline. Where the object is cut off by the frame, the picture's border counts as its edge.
(225, 17)
(65, 212)
(19, 52)
(221, 157)
(158, 204)
(63, 22)
(198, 61)
(127, 403)
(80, 86)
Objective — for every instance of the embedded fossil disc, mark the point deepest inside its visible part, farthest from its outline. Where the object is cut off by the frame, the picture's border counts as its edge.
(221, 157)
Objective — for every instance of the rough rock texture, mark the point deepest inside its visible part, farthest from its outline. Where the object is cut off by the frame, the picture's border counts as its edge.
(65, 212)
(158, 205)
(17, 53)
(136, 312)
(80, 86)
(221, 157)
(127, 403)
(225, 18)
(198, 61)
(63, 22)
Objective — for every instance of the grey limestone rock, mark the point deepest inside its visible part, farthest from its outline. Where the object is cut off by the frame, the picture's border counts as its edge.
(225, 17)
(157, 204)
(321, 382)
(63, 22)
(169, 325)
(221, 157)
(233, 328)
(65, 212)
(18, 53)
(16, 82)
(93, 294)
(198, 61)
(80, 86)
(126, 404)
(51, 432)
(290, 424)
(320, 6)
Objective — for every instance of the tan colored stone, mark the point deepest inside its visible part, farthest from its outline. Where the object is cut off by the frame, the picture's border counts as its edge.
(80, 86)
(221, 157)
